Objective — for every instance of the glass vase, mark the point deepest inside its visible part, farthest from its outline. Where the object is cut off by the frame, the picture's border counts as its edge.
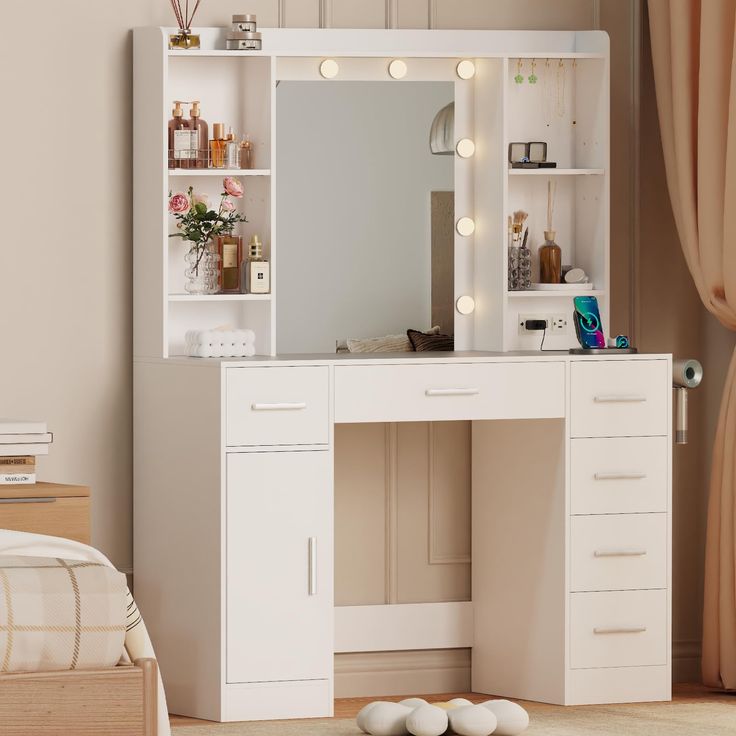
(202, 270)
(550, 260)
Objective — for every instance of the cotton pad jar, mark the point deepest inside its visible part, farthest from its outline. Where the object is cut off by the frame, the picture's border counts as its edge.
(243, 41)
(244, 23)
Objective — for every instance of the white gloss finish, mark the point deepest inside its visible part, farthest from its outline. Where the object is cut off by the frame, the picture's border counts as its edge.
(329, 68)
(397, 69)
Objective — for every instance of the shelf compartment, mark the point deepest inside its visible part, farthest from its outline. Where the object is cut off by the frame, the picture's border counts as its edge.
(219, 172)
(219, 297)
(550, 294)
(557, 172)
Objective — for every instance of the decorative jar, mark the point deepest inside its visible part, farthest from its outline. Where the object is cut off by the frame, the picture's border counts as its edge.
(202, 270)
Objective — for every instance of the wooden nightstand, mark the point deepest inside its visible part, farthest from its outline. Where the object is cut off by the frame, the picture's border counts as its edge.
(47, 508)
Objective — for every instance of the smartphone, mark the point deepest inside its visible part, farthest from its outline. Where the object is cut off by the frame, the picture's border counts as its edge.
(587, 319)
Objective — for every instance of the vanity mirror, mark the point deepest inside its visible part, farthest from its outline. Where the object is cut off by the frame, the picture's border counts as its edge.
(357, 220)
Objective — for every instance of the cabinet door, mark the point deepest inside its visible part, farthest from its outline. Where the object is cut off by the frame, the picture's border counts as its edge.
(279, 566)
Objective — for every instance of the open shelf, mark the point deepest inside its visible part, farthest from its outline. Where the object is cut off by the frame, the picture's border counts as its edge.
(219, 172)
(551, 294)
(556, 172)
(219, 297)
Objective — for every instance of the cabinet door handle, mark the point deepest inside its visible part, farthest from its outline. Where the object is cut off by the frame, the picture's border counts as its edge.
(619, 553)
(312, 583)
(620, 476)
(281, 406)
(452, 392)
(620, 630)
(619, 399)
(27, 500)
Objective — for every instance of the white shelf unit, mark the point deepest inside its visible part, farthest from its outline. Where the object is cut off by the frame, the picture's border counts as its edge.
(568, 108)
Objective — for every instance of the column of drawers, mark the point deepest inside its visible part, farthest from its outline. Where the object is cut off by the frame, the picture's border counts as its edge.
(619, 507)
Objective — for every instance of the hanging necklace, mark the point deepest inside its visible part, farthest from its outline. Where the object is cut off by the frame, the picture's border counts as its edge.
(547, 94)
(560, 107)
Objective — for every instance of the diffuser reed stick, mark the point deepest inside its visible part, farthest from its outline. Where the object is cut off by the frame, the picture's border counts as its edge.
(550, 203)
(183, 17)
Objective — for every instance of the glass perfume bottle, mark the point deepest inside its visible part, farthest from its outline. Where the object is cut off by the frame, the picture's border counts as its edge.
(257, 271)
(179, 138)
(550, 260)
(230, 249)
(199, 133)
(246, 153)
(217, 146)
(232, 157)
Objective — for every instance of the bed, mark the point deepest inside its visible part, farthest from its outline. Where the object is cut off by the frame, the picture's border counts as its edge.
(75, 656)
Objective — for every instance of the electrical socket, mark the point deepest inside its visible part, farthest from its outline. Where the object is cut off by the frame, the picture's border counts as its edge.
(556, 324)
(522, 323)
(559, 323)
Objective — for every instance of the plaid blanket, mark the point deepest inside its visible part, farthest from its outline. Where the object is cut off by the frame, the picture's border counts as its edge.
(58, 614)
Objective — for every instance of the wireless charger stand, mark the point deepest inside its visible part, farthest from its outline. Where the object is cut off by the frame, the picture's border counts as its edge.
(603, 351)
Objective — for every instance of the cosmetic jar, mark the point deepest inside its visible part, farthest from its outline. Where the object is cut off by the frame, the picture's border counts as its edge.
(244, 24)
(242, 41)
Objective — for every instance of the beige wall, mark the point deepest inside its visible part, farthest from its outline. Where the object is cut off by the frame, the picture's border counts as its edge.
(65, 302)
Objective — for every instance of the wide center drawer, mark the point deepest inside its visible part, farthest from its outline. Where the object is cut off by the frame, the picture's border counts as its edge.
(620, 398)
(449, 391)
(619, 475)
(278, 406)
(618, 552)
(621, 629)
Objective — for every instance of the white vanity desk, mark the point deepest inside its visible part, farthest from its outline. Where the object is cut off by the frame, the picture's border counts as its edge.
(571, 517)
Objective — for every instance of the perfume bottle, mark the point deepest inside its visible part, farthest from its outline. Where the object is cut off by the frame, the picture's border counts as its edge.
(179, 137)
(230, 248)
(257, 271)
(198, 129)
(232, 156)
(246, 153)
(550, 260)
(217, 146)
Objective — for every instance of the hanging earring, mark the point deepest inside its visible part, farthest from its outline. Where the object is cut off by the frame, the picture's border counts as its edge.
(519, 78)
(560, 108)
(533, 76)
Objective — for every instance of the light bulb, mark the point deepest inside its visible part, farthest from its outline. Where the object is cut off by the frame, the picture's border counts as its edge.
(465, 69)
(465, 148)
(397, 69)
(465, 226)
(465, 304)
(329, 68)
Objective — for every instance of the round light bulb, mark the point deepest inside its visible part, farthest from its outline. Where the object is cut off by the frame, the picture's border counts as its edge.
(465, 304)
(329, 68)
(465, 148)
(465, 69)
(397, 69)
(465, 226)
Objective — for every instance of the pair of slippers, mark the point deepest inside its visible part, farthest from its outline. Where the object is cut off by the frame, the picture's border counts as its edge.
(417, 717)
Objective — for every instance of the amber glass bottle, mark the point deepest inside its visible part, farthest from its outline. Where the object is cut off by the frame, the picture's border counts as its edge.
(550, 260)
(230, 248)
(200, 135)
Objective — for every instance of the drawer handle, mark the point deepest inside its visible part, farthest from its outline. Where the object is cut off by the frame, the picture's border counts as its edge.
(452, 392)
(619, 553)
(619, 399)
(620, 630)
(312, 582)
(282, 406)
(620, 476)
(28, 500)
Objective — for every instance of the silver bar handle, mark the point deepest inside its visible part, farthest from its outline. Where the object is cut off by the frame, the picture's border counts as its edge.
(45, 499)
(619, 399)
(620, 630)
(620, 476)
(312, 583)
(452, 392)
(280, 406)
(619, 553)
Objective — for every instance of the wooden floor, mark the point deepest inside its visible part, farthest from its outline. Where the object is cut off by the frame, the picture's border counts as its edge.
(349, 707)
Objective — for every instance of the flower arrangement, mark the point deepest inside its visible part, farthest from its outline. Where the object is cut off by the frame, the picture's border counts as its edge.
(199, 224)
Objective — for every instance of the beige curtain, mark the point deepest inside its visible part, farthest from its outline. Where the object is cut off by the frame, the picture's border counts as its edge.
(695, 77)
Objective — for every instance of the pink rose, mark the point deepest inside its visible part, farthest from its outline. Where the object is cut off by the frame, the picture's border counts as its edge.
(233, 186)
(228, 205)
(179, 204)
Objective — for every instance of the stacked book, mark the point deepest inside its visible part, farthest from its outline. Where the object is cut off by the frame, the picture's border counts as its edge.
(21, 442)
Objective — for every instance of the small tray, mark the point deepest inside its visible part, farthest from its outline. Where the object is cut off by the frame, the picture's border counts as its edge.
(603, 351)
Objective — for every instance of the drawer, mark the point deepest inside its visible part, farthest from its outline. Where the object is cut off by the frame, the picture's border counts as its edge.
(618, 398)
(57, 517)
(619, 475)
(278, 406)
(444, 391)
(618, 552)
(619, 629)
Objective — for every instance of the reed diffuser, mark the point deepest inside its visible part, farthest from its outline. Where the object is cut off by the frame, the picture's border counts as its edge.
(550, 254)
(184, 39)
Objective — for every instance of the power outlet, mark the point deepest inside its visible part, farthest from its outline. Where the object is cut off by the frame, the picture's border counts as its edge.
(523, 318)
(559, 324)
